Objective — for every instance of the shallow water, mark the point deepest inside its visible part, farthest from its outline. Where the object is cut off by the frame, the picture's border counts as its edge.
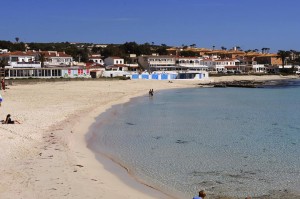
(228, 141)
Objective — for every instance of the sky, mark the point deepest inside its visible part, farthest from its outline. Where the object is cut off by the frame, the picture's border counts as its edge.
(249, 24)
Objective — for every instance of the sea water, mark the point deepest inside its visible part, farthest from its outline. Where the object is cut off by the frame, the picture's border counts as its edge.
(228, 141)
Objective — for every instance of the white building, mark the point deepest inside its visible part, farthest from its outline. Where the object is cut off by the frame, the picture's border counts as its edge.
(113, 61)
(54, 58)
(208, 62)
(191, 63)
(2, 51)
(115, 67)
(116, 71)
(221, 64)
(259, 68)
(158, 63)
(20, 59)
(96, 59)
(226, 65)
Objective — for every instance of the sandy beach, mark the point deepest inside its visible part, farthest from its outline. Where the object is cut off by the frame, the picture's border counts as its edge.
(47, 155)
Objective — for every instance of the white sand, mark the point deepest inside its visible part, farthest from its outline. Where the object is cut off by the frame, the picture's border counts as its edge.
(46, 156)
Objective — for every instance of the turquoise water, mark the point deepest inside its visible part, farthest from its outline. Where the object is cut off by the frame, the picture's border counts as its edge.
(228, 141)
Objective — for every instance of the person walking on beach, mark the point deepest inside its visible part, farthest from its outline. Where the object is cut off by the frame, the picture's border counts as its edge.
(201, 195)
(3, 84)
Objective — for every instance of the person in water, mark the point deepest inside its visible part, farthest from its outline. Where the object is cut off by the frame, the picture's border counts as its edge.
(151, 92)
(9, 121)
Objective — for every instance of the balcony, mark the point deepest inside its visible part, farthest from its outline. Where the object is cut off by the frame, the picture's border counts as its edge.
(34, 64)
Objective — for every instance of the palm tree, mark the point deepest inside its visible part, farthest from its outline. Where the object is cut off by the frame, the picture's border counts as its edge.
(282, 54)
(17, 39)
(238, 48)
(214, 47)
(223, 48)
(42, 59)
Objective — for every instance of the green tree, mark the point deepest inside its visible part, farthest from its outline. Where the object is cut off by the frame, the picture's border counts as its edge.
(162, 50)
(238, 48)
(283, 55)
(145, 49)
(96, 49)
(189, 53)
(18, 47)
(5, 44)
(83, 54)
(113, 50)
(130, 48)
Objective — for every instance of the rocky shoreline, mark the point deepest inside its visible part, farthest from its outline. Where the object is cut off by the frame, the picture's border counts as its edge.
(242, 83)
(246, 83)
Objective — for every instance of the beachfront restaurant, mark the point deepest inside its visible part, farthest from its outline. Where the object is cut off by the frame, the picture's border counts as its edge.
(17, 73)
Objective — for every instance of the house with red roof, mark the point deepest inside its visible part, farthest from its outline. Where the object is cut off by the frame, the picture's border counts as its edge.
(20, 59)
(96, 58)
(227, 64)
(57, 59)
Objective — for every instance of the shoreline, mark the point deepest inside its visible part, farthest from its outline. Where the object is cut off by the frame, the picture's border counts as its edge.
(47, 156)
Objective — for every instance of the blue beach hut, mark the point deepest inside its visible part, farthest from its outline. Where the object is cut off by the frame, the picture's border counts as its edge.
(145, 76)
(154, 76)
(173, 76)
(164, 76)
(135, 76)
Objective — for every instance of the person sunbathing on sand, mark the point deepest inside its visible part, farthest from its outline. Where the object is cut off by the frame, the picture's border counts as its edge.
(1, 99)
(202, 195)
(9, 121)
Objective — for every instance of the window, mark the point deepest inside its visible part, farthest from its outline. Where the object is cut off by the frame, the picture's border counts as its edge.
(14, 59)
(47, 72)
(12, 73)
(54, 72)
(19, 73)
